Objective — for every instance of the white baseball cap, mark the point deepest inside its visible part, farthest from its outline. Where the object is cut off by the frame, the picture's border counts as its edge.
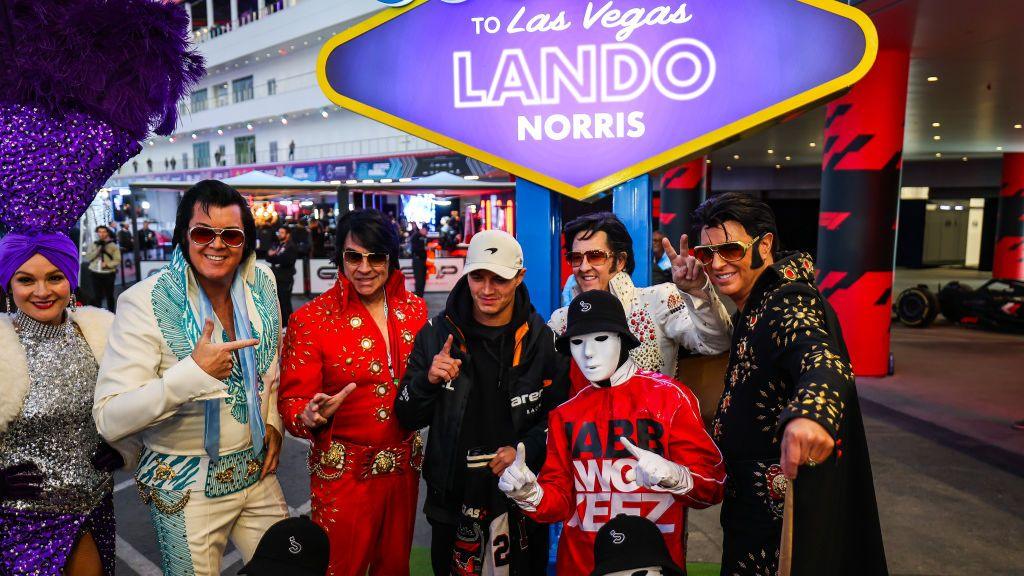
(497, 251)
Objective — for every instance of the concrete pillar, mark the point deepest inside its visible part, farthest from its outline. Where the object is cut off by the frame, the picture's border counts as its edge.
(1008, 261)
(209, 14)
(631, 202)
(234, 14)
(860, 192)
(683, 188)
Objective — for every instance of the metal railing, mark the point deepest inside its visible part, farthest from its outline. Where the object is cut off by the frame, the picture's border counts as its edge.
(230, 96)
(401, 144)
(248, 17)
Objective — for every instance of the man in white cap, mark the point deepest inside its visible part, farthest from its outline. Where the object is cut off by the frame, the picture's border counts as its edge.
(483, 375)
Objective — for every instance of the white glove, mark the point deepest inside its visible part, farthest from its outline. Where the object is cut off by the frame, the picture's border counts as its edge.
(519, 483)
(657, 473)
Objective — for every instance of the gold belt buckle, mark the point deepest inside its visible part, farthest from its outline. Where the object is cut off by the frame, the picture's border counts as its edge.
(384, 462)
(333, 457)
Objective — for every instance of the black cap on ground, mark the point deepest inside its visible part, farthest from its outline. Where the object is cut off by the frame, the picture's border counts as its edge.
(296, 546)
(631, 542)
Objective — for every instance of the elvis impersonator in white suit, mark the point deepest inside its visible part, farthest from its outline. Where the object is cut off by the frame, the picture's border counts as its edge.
(205, 439)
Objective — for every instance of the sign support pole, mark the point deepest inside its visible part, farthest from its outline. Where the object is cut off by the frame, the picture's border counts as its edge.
(538, 226)
(631, 202)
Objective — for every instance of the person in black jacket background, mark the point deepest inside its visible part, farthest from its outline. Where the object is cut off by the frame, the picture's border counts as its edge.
(483, 375)
(282, 261)
(418, 247)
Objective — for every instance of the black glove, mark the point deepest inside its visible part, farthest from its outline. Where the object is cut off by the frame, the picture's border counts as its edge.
(21, 482)
(106, 458)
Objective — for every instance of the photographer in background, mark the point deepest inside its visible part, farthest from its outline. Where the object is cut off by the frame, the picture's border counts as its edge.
(103, 257)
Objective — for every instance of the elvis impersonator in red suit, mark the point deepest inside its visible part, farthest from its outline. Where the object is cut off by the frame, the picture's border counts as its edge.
(631, 443)
(339, 375)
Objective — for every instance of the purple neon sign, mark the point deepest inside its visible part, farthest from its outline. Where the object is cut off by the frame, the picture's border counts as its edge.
(582, 95)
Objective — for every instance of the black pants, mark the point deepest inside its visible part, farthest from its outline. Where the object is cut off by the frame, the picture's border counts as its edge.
(442, 541)
(284, 297)
(419, 273)
(103, 289)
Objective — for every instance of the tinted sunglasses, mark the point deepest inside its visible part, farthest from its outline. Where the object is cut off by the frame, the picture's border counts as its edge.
(375, 259)
(203, 235)
(728, 251)
(595, 257)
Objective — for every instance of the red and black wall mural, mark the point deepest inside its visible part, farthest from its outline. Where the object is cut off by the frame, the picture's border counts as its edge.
(1008, 261)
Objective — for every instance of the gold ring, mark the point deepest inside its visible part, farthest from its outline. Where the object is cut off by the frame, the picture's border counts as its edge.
(811, 462)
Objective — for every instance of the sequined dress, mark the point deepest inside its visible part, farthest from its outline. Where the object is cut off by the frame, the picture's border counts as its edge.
(55, 430)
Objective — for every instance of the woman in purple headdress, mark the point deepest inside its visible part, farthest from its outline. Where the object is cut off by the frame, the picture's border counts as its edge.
(56, 508)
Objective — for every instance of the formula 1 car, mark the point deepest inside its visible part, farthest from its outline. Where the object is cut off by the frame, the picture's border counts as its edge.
(997, 305)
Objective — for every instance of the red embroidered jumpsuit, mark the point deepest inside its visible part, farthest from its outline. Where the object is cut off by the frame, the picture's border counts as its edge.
(364, 466)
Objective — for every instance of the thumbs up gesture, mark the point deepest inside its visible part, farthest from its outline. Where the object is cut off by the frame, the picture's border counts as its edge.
(444, 368)
(217, 359)
(519, 483)
(657, 473)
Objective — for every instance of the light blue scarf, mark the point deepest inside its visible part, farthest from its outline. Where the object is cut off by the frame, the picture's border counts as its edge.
(250, 379)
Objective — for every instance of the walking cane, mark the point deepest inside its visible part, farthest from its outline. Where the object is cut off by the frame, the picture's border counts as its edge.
(786, 546)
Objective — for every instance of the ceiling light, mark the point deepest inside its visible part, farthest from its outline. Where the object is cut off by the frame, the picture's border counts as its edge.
(351, 181)
(386, 180)
(778, 166)
(933, 78)
(708, 160)
(770, 151)
(788, 158)
(936, 137)
(405, 179)
(284, 121)
(728, 168)
(324, 113)
(735, 156)
(220, 131)
(938, 154)
(257, 58)
(151, 143)
(248, 126)
(472, 177)
(999, 148)
(964, 158)
(367, 181)
(171, 139)
(1017, 126)
(936, 124)
(194, 136)
(812, 144)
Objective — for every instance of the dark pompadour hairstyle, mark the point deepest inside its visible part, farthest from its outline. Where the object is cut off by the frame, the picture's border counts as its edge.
(619, 239)
(755, 216)
(373, 231)
(213, 193)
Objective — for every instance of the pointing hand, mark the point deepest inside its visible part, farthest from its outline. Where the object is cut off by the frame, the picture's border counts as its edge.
(656, 473)
(217, 359)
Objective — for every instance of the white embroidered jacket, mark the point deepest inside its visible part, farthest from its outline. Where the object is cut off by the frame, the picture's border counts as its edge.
(150, 386)
(94, 324)
(663, 318)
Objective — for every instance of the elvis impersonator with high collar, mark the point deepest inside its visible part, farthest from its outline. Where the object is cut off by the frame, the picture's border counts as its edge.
(632, 442)
(364, 466)
(201, 468)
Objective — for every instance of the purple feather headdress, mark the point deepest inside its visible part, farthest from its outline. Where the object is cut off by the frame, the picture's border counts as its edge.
(82, 82)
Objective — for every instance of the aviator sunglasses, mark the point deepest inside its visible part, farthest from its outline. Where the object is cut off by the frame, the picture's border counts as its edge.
(203, 235)
(375, 259)
(728, 251)
(595, 257)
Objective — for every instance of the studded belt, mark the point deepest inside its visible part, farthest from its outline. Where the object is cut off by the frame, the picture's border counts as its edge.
(367, 462)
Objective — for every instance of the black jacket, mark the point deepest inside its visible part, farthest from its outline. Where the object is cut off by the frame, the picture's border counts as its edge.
(283, 263)
(537, 382)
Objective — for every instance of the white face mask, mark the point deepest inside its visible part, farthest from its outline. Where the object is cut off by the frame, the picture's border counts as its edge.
(651, 571)
(596, 354)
